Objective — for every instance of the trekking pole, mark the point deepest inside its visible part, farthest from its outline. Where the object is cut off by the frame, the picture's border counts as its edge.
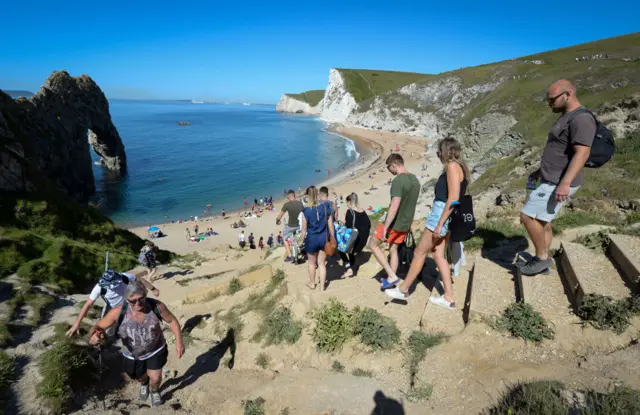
(106, 262)
(104, 405)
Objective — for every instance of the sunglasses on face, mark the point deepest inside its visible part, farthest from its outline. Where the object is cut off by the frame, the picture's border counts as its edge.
(552, 100)
(137, 300)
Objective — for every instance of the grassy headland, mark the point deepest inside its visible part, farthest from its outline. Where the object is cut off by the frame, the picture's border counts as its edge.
(312, 97)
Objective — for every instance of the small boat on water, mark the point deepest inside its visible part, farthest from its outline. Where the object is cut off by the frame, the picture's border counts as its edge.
(184, 122)
(193, 101)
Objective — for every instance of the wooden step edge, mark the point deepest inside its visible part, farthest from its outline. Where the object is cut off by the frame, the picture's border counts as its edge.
(570, 279)
(625, 265)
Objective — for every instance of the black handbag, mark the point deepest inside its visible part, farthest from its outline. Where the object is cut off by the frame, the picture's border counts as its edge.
(463, 221)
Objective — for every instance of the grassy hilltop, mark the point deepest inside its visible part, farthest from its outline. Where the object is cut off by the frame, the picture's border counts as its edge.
(312, 97)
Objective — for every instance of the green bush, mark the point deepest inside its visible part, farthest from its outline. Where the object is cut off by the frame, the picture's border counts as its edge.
(235, 285)
(7, 376)
(605, 313)
(621, 401)
(362, 373)
(417, 344)
(375, 330)
(521, 320)
(65, 370)
(337, 367)
(254, 406)
(262, 360)
(334, 326)
(419, 393)
(280, 326)
(535, 398)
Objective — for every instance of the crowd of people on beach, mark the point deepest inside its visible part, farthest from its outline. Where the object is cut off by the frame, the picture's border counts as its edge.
(312, 226)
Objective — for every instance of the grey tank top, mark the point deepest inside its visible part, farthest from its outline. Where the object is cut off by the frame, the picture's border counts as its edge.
(141, 339)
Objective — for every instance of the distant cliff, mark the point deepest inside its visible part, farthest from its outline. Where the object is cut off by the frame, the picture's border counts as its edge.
(49, 135)
(309, 102)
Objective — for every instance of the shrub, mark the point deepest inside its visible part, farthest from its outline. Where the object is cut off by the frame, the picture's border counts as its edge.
(362, 373)
(262, 360)
(235, 285)
(521, 320)
(254, 406)
(280, 326)
(535, 398)
(621, 401)
(333, 327)
(419, 393)
(375, 330)
(7, 376)
(65, 369)
(605, 313)
(337, 367)
(418, 343)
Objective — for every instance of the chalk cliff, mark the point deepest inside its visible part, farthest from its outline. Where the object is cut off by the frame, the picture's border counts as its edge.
(50, 133)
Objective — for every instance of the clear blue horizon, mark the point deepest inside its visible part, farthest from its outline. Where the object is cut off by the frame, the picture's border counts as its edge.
(255, 51)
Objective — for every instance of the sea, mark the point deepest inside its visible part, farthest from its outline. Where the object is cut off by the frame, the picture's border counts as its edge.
(225, 154)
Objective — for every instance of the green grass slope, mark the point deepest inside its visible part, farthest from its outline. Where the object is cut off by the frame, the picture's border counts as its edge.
(364, 84)
(312, 97)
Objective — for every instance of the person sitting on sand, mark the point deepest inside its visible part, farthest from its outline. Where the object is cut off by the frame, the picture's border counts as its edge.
(261, 243)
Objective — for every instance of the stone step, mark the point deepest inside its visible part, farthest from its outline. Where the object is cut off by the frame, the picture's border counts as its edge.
(547, 294)
(588, 272)
(492, 288)
(624, 251)
(439, 319)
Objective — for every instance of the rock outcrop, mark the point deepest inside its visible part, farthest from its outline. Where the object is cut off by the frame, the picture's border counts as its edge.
(50, 133)
(288, 103)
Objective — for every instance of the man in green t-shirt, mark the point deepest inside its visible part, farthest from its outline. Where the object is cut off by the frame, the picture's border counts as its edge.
(405, 189)
(293, 208)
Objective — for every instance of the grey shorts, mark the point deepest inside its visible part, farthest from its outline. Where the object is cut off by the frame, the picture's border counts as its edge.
(287, 231)
(541, 204)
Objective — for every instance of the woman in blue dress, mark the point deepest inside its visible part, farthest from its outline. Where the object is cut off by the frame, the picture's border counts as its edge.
(317, 226)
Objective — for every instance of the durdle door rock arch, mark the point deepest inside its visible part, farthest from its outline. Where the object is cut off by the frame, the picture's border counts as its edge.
(52, 132)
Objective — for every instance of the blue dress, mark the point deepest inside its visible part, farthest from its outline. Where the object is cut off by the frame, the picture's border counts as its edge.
(316, 218)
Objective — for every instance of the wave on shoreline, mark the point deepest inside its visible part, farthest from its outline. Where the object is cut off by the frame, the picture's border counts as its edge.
(349, 146)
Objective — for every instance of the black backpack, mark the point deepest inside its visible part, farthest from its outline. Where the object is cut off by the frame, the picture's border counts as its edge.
(604, 145)
(463, 221)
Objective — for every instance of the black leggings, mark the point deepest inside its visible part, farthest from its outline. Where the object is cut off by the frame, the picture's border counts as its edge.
(353, 256)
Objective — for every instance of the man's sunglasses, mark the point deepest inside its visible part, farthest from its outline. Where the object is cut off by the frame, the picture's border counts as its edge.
(137, 300)
(552, 100)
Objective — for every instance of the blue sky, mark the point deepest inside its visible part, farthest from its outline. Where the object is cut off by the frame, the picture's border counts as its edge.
(245, 50)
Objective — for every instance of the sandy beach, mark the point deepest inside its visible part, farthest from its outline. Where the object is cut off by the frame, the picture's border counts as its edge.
(368, 175)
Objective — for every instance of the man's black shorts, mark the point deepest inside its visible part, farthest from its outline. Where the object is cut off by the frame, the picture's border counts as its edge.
(137, 368)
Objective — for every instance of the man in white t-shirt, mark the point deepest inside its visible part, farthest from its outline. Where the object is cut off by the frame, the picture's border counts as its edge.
(241, 239)
(111, 288)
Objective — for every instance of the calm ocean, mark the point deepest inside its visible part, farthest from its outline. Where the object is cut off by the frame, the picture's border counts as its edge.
(226, 154)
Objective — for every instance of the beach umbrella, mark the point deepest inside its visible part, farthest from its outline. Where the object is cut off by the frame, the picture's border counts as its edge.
(153, 229)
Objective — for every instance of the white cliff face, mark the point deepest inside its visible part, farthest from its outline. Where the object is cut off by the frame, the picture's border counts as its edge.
(338, 103)
(290, 104)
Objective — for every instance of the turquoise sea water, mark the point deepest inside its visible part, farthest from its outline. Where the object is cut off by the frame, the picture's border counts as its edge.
(226, 154)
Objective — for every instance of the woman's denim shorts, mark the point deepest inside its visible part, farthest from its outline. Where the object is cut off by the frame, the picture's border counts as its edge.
(434, 217)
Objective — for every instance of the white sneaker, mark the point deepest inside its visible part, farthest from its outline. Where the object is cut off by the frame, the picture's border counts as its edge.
(439, 300)
(396, 294)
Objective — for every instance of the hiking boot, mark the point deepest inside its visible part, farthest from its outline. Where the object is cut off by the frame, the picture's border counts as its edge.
(144, 392)
(536, 266)
(156, 399)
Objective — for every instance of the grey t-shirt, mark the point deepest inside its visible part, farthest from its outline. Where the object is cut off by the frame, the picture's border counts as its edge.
(293, 208)
(559, 150)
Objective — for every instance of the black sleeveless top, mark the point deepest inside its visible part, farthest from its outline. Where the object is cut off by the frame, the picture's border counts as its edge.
(442, 190)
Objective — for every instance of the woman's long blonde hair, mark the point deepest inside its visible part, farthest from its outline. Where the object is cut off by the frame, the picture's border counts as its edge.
(449, 149)
(312, 196)
(353, 198)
